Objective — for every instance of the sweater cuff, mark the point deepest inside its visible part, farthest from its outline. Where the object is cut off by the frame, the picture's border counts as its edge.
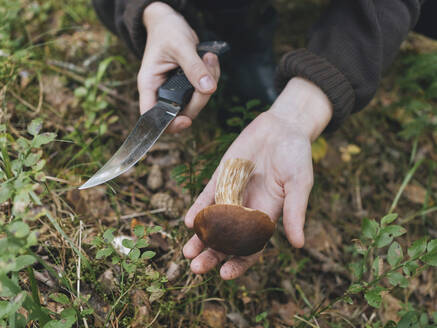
(133, 18)
(326, 76)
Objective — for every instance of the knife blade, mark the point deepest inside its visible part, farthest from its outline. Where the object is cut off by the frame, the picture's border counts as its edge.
(173, 95)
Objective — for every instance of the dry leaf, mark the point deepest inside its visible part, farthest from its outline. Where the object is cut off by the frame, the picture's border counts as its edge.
(319, 148)
(214, 315)
(286, 311)
(415, 194)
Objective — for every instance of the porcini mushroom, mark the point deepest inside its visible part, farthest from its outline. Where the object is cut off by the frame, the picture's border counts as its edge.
(228, 226)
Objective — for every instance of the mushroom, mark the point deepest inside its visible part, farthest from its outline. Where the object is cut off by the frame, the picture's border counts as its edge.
(228, 226)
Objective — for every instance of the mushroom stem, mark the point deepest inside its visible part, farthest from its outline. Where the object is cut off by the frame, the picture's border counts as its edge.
(232, 179)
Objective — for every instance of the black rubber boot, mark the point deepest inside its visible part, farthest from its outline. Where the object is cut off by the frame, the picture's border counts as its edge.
(249, 66)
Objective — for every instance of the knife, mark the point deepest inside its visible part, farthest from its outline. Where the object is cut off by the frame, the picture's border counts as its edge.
(173, 96)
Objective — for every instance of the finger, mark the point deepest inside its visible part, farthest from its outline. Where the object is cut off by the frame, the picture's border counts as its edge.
(180, 123)
(147, 98)
(206, 261)
(237, 266)
(199, 100)
(193, 247)
(205, 199)
(196, 70)
(150, 77)
(295, 205)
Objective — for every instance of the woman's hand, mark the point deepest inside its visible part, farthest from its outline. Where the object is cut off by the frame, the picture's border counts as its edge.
(279, 143)
(171, 43)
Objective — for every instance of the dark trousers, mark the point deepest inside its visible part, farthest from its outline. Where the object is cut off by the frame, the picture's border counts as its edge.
(427, 24)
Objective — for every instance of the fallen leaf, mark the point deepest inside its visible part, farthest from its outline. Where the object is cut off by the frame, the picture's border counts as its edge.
(391, 306)
(286, 311)
(415, 194)
(214, 315)
(142, 308)
(322, 236)
(319, 148)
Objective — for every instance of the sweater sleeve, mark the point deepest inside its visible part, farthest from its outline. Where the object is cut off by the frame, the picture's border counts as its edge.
(124, 18)
(349, 48)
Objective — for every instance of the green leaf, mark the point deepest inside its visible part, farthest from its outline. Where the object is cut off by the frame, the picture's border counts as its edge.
(394, 230)
(386, 235)
(355, 288)
(80, 92)
(424, 319)
(417, 248)
(234, 121)
(430, 258)
(369, 228)
(129, 267)
(35, 126)
(108, 235)
(253, 103)
(87, 312)
(43, 139)
(103, 253)
(148, 255)
(410, 268)
(409, 320)
(142, 243)
(134, 254)
(23, 261)
(348, 300)
(395, 254)
(5, 192)
(60, 298)
(19, 229)
(389, 218)
(432, 245)
(31, 159)
(373, 296)
(128, 243)
(383, 240)
(260, 317)
(396, 278)
(154, 229)
(139, 231)
(375, 266)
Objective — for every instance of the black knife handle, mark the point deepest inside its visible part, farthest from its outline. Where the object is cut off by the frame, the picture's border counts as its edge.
(177, 89)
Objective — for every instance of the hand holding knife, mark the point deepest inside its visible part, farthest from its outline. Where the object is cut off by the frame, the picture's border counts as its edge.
(173, 96)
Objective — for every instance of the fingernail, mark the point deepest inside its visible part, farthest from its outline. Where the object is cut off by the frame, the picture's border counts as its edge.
(206, 83)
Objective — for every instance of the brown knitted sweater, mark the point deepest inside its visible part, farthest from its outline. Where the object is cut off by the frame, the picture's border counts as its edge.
(348, 49)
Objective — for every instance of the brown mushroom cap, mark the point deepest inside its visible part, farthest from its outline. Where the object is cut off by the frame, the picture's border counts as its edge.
(233, 229)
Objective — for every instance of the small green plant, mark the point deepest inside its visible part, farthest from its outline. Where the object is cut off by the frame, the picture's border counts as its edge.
(383, 265)
(134, 267)
(93, 101)
(262, 318)
(21, 178)
(419, 95)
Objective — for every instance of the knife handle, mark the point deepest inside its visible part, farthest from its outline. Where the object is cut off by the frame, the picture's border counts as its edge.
(177, 89)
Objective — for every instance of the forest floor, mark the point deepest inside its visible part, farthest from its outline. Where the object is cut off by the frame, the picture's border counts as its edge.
(59, 64)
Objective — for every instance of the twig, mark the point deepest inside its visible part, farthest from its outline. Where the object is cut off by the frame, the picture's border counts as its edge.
(78, 271)
(154, 319)
(135, 215)
(404, 184)
(306, 321)
(57, 179)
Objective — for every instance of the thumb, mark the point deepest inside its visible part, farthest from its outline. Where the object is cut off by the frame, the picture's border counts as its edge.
(196, 70)
(205, 199)
(295, 205)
